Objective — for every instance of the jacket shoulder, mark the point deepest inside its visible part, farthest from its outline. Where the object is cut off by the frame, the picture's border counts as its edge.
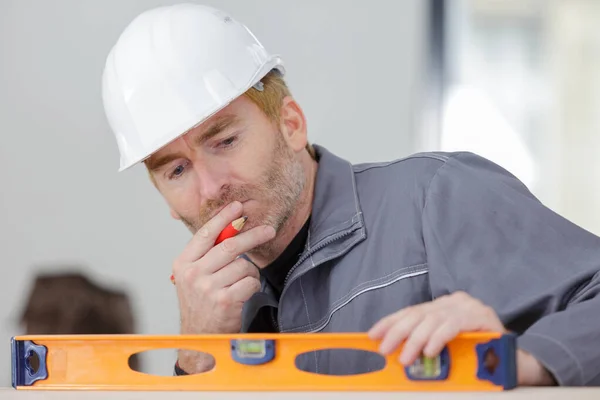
(419, 164)
(403, 182)
(434, 157)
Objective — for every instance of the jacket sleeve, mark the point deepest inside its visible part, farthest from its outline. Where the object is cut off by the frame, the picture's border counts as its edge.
(487, 235)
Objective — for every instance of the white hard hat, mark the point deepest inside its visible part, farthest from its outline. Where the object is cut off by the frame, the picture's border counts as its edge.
(171, 69)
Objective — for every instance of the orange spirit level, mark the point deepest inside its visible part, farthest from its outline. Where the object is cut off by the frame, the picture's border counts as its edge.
(256, 362)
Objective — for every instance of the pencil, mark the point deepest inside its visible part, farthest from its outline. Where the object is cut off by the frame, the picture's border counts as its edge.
(230, 231)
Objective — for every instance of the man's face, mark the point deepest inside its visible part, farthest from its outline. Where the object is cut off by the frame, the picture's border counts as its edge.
(238, 154)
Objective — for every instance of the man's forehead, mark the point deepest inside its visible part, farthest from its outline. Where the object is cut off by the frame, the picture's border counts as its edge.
(233, 109)
(203, 128)
(210, 127)
(223, 115)
(228, 115)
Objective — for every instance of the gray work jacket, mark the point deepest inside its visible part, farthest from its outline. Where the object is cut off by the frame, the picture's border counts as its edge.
(385, 236)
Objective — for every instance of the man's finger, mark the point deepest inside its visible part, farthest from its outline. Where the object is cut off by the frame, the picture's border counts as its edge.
(418, 338)
(242, 290)
(234, 272)
(446, 332)
(231, 248)
(400, 331)
(205, 238)
(380, 328)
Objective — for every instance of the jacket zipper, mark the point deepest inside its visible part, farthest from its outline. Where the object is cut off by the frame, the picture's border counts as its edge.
(304, 257)
(274, 320)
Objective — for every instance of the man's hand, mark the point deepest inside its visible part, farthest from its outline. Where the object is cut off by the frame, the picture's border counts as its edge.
(213, 283)
(426, 328)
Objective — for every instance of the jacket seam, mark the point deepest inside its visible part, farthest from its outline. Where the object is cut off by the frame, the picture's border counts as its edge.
(359, 169)
(425, 218)
(308, 249)
(308, 317)
(376, 280)
(430, 183)
(304, 299)
(355, 191)
(365, 286)
(380, 286)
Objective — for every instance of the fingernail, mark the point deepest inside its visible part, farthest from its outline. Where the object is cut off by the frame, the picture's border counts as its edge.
(403, 359)
(428, 353)
(383, 349)
(269, 231)
(374, 334)
(236, 206)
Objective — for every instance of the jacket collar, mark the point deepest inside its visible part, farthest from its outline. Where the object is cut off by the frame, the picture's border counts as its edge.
(335, 207)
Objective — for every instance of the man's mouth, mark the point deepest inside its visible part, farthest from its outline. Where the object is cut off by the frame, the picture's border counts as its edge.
(218, 210)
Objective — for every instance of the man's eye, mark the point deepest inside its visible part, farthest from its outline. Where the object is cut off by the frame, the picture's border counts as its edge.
(177, 172)
(227, 142)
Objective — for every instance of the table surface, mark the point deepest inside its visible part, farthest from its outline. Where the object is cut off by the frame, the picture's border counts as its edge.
(520, 393)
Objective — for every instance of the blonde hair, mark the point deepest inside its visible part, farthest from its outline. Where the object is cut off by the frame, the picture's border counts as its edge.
(270, 98)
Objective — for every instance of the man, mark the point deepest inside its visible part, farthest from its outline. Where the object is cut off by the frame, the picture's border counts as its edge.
(412, 251)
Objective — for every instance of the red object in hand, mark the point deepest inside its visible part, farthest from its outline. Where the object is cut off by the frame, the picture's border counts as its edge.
(230, 231)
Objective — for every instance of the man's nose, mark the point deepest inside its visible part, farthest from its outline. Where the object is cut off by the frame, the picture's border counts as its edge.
(211, 180)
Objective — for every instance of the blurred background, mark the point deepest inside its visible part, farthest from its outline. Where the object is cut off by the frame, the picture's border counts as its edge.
(515, 81)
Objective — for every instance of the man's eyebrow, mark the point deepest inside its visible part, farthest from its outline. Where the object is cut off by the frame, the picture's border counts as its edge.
(218, 126)
(154, 164)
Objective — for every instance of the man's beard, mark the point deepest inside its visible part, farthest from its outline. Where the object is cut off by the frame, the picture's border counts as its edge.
(278, 192)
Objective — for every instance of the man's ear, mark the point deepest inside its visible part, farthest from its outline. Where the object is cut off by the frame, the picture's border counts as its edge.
(175, 215)
(293, 124)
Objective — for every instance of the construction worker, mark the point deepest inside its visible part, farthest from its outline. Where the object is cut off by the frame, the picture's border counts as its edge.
(412, 251)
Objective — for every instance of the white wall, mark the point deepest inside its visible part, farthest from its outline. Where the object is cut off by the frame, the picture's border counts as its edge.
(573, 30)
(526, 93)
(355, 66)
